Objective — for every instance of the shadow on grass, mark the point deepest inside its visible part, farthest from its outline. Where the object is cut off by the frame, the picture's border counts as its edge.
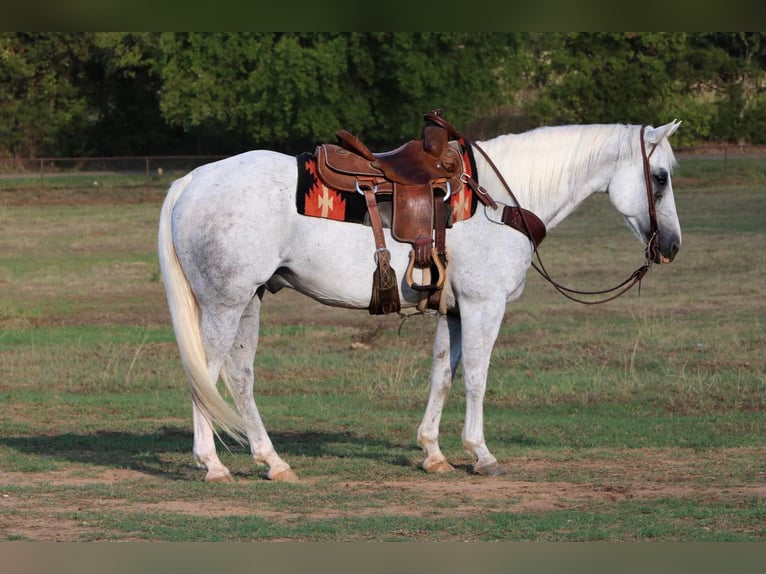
(158, 453)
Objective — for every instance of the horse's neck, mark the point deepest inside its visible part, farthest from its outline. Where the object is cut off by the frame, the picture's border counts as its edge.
(551, 170)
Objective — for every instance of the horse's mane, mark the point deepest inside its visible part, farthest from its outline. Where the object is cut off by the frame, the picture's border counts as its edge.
(544, 161)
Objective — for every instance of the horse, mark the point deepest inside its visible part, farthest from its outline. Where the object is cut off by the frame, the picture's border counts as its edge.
(229, 231)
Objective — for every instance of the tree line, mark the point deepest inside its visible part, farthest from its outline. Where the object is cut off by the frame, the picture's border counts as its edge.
(129, 93)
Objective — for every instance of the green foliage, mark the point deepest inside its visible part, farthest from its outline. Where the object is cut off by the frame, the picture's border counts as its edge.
(730, 67)
(293, 89)
(273, 88)
(463, 73)
(712, 81)
(698, 116)
(125, 93)
(123, 89)
(755, 122)
(40, 100)
(608, 77)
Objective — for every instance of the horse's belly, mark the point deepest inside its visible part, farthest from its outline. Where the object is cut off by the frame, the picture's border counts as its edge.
(334, 263)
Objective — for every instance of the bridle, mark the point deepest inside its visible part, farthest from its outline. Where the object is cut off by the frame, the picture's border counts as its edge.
(652, 247)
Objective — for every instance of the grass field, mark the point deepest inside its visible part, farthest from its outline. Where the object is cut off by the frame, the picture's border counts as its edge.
(643, 419)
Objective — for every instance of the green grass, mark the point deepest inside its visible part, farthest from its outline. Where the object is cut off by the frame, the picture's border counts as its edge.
(714, 169)
(639, 420)
(91, 182)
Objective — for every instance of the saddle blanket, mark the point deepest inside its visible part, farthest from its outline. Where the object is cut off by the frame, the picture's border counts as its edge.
(315, 199)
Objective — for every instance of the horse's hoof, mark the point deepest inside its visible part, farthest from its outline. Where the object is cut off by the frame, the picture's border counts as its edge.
(491, 469)
(218, 476)
(438, 467)
(286, 475)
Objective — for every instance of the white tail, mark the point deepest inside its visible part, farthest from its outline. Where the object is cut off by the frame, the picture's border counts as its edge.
(184, 313)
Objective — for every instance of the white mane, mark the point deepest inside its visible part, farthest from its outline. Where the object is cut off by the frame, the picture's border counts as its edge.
(547, 161)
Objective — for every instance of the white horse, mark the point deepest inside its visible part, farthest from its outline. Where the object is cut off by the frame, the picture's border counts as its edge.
(229, 231)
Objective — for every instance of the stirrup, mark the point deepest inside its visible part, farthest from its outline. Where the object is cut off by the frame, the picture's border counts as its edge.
(441, 275)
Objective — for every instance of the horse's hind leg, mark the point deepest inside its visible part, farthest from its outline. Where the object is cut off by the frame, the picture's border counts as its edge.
(204, 448)
(217, 331)
(238, 371)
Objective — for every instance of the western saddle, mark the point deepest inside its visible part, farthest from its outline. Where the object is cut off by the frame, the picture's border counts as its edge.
(419, 178)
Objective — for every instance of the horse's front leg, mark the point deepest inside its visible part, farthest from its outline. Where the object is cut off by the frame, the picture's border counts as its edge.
(480, 327)
(446, 356)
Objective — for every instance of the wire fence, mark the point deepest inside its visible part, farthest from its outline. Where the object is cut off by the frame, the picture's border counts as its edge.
(723, 159)
(125, 171)
(159, 171)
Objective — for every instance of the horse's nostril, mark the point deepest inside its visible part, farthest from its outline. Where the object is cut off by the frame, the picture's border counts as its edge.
(669, 253)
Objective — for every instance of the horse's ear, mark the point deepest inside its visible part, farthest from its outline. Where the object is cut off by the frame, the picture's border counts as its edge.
(656, 135)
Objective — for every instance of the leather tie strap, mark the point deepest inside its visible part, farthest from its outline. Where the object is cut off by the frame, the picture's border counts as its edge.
(375, 221)
(480, 192)
(440, 225)
(385, 287)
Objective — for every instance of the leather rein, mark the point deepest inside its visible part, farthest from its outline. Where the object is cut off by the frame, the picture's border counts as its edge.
(532, 231)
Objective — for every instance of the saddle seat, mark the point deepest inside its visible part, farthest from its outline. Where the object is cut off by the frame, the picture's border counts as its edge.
(414, 174)
(414, 162)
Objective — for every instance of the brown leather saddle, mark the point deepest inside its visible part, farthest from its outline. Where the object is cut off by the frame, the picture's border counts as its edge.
(419, 176)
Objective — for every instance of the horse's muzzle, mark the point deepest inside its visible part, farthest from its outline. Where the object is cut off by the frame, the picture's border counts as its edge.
(665, 252)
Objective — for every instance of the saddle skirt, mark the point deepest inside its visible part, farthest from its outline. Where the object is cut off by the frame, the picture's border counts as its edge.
(345, 203)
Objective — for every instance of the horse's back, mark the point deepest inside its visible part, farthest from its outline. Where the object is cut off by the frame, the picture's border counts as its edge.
(245, 185)
(249, 172)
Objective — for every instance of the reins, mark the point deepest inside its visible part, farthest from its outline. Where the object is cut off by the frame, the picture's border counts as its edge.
(652, 249)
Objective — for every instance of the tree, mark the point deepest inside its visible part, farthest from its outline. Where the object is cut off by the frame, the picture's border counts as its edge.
(466, 74)
(122, 90)
(731, 65)
(292, 90)
(265, 89)
(221, 93)
(610, 77)
(40, 103)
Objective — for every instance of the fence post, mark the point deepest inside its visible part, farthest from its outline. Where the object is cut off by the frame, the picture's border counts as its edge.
(42, 172)
(725, 160)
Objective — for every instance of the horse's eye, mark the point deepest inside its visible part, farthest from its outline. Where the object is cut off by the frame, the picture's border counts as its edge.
(661, 177)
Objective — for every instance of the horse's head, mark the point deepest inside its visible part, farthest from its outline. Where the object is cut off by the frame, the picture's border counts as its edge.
(644, 172)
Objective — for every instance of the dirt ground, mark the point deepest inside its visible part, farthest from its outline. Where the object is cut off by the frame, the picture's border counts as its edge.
(634, 475)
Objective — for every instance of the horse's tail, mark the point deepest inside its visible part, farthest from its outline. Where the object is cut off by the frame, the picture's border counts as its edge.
(185, 314)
